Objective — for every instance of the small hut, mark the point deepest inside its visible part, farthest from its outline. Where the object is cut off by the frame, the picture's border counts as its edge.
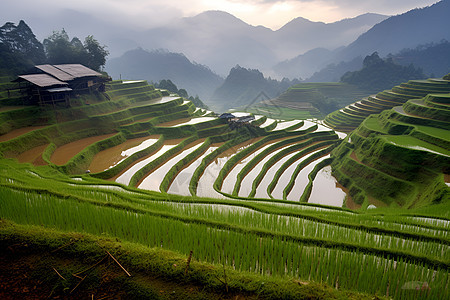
(52, 84)
(44, 89)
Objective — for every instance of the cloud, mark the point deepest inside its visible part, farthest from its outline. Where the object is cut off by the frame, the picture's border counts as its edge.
(149, 13)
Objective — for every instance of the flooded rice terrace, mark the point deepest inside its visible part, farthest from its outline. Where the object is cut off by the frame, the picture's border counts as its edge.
(178, 168)
(260, 168)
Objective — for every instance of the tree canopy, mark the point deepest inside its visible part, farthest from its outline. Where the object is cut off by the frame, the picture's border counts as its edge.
(19, 48)
(61, 50)
(167, 84)
(380, 74)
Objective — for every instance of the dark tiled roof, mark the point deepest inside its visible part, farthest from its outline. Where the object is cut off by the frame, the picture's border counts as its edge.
(77, 70)
(55, 72)
(42, 80)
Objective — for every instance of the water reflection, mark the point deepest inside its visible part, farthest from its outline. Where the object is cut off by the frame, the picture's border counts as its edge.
(153, 180)
(326, 189)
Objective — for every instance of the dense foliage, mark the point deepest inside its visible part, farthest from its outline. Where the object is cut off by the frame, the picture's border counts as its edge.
(381, 74)
(157, 65)
(243, 86)
(19, 48)
(167, 84)
(433, 58)
(60, 50)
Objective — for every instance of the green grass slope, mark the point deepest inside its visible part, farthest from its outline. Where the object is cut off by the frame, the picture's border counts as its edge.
(404, 150)
(72, 234)
(349, 117)
(308, 100)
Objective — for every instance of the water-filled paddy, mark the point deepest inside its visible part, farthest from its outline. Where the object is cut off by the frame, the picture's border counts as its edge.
(246, 184)
(302, 180)
(154, 179)
(230, 179)
(206, 181)
(268, 122)
(287, 124)
(180, 185)
(65, 152)
(196, 121)
(326, 190)
(34, 156)
(126, 175)
(320, 127)
(18, 132)
(155, 101)
(112, 156)
(261, 191)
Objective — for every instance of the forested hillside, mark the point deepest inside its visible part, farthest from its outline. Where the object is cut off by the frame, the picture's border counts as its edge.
(198, 80)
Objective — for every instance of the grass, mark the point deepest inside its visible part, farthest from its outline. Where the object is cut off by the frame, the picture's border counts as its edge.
(266, 241)
(242, 247)
(152, 270)
(283, 113)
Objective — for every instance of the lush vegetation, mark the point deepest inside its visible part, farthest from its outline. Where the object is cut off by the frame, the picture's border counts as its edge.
(404, 149)
(61, 50)
(241, 244)
(167, 84)
(349, 117)
(20, 50)
(245, 87)
(378, 74)
(308, 100)
(433, 58)
(381, 253)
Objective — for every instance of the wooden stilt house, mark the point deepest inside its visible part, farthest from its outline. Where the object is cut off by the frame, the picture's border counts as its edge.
(57, 83)
(44, 89)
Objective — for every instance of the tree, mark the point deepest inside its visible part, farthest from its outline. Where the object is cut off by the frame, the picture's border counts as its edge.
(378, 74)
(168, 85)
(96, 54)
(19, 48)
(60, 50)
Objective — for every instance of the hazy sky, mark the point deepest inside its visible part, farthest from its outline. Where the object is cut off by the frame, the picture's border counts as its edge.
(148, 13)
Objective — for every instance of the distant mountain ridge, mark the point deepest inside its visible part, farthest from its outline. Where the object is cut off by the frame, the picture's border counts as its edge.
(407, 30)
(159, 64)
(220, 40)
(243, 86)
(428, 25)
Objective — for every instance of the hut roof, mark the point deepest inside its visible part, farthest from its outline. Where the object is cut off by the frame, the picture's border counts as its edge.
(226, 116)
(55, 72)
(77, 70)
(42, 80)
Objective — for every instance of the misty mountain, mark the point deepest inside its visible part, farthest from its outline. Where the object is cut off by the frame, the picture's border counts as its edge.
(433, 58)
(220, 40)
(381, 74)
(213, 38)
(333, 72)
(409, 30)
(245, 86)
(304, 65)
(158, 65)
(301, 35)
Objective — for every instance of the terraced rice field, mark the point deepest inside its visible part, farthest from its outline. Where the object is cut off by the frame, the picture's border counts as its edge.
(263, 211)
(349, 118)
(380, 254)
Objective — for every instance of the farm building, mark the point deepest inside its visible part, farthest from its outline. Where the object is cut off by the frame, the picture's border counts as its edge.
(50, 84)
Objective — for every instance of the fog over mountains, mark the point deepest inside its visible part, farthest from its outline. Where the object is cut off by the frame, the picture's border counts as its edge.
(220, 40)
(199, 52)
